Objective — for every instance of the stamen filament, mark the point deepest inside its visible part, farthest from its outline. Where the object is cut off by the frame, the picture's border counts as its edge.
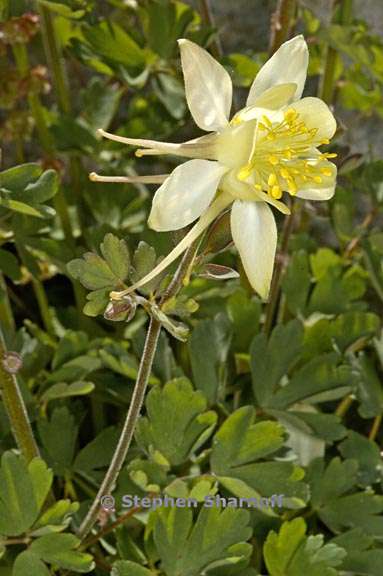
(153, 179)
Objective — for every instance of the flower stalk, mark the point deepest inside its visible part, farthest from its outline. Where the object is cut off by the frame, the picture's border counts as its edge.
(342, 14)
(282, 22)
(137, 400)
(14, 404)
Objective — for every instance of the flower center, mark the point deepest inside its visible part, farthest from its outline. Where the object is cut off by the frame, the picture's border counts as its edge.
(284, 156)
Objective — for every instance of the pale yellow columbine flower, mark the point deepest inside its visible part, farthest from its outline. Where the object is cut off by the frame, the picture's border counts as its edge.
(267, 149)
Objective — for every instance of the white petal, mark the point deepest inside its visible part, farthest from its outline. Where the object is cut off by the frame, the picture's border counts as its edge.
(208, 87)
(316, 114)
(185, 195)
(277, 96)
(255, 235)
(288, 64)
(323, 191)
(234, 144)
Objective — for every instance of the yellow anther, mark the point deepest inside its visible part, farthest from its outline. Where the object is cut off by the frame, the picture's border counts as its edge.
(235, 121)
(261, 126)
(271, 136)
(325, 141)
(326, 171)
(313, 131)
(292, 186)
(329, 155)
(266, 121)
(257, 186)
(288, 153)
(290, 115)
(244, 172)
(317, 179)
(276, 192)
(272, 179)
(285, 173)
(274, 160)
(138, 153)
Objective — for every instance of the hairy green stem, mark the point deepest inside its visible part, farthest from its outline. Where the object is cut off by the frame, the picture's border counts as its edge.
(138, 395)
(342, 14)
(7, 320)
(14, 403)
(54, 57)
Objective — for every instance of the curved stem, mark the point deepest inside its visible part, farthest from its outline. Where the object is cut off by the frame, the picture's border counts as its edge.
(281, 23)
(208, 18)
(14, 403)
(375, 427)
(277, 276)
(138, 396)
(342, 14)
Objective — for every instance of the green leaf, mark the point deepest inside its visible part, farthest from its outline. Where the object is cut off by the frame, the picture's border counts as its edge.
(350, 327)
(338, 503)
(110, 41)
(217, 538)
(29, 564)
(98, 452)
(101, 103)
(63, 390)
(71, 345)
(209, 346)
(144, 260)
(322, 261)
(20, 495)
(127, 568)
(292, 553)
(9, 265)
(61, 550)
(28, 209)
(56, 518)
(62, 9)
(240, 441)
(17, 178)
(369, 387)
(270, 360)
(177, 423)
(116, 254)
(75, 369)
(320, 380)
(367, 454)
(177, 329)
(244, 313)
(362, 557)
(44, 188)
(296, 282)
(59, 447)
(236, 447)
(41, 478)
(92, 271)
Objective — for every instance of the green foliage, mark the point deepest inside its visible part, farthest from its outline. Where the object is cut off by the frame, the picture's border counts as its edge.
(216, 539)
(291, 552)
(176, 424)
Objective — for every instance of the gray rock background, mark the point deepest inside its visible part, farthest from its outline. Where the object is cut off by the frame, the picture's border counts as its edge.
(244, 26)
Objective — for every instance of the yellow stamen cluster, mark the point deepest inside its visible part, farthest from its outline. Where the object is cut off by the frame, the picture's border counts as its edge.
(283, 158)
